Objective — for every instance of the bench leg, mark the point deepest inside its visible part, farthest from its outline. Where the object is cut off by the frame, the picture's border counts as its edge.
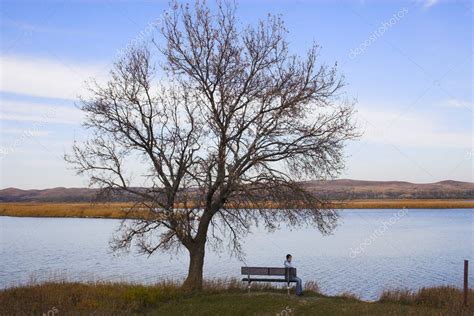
(288, 288)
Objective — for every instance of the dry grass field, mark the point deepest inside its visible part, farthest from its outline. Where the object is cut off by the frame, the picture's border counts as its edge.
(109, 210)
(406, 203)
(118, 210)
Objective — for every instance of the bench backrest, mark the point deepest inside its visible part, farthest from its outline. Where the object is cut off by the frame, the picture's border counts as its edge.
(287, 272)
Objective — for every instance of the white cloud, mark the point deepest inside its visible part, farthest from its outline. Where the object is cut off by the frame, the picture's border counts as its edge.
(46, 77)
(19, 131)
(39, 113)
(429, 3)
(390, 127)
(458, 104)
(29, 29)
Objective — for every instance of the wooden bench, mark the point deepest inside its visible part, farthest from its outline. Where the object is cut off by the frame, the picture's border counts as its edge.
(286, 273)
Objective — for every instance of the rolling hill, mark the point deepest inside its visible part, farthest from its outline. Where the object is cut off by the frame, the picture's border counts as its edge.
(331, 189)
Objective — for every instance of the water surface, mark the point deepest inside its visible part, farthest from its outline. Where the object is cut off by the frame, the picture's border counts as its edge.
(371, 250)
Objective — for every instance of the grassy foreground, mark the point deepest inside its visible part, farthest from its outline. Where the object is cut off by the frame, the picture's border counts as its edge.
(117, 210)
(218, 298)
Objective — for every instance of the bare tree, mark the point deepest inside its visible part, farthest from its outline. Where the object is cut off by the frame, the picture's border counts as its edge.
(225, 134)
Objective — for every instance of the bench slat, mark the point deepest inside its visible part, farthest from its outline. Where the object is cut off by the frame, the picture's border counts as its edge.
(255, 270)
(265, 280)
(276, 271)
(267, 271)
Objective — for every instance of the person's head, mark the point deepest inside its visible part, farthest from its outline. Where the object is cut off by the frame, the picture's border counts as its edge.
(288, 257)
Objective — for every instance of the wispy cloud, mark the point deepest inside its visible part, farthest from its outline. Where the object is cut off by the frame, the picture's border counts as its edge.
(429, 3)
(458, 104)
(391, 127)
(46, 77)
(19, 131)
(29, 28)
(21, 122)
(35, 112)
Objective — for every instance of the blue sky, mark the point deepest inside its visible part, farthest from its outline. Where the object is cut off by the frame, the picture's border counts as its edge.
(408, 64)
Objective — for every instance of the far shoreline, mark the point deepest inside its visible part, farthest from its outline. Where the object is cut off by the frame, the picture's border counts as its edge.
(117, 210)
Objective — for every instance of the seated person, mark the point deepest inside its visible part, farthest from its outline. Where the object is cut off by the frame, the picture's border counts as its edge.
(288, 264)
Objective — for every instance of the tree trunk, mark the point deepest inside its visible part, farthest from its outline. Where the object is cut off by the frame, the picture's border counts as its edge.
(193, 281)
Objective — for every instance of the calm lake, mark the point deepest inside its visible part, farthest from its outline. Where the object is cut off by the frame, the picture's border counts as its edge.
(371, 250)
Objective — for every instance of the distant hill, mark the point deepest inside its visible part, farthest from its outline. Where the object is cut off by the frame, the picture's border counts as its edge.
(359, 189)
(48, 195)
(332, 189)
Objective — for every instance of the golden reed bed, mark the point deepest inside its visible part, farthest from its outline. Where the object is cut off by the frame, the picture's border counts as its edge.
(118, 210)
